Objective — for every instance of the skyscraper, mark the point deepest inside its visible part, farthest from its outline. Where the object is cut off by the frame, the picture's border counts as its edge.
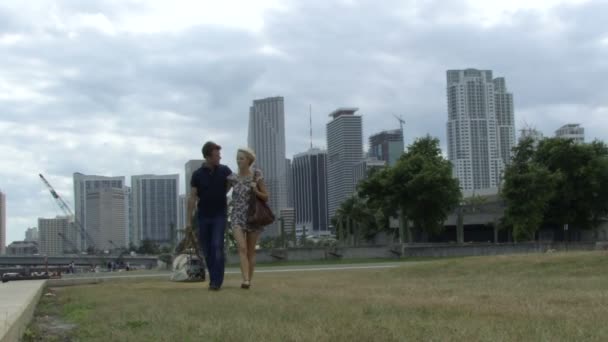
(480, 128)
(181, 219)
(2, 223)
(288, 216)
(130, 227)
(267, 138)
(31, 234)
(107, 218)
(344, 150)
(309, 179)
(191, 166)
(571, 131)
(82, 184)
(155, 207)
(290, 194)
(387, 146)
(52, 236)
(362, 169)
(505, 120)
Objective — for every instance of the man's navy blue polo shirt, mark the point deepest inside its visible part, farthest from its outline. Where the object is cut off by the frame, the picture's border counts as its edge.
(211, 185)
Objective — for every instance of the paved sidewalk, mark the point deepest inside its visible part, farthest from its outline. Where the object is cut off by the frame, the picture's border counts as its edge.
(18, 300)
(97, 278)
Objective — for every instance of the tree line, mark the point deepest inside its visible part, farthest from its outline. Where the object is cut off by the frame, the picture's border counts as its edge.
(551, 183)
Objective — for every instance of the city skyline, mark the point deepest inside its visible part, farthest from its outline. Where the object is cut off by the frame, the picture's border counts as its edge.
(106, 114)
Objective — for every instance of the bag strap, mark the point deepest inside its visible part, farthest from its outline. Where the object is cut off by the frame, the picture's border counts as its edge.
(256, 179)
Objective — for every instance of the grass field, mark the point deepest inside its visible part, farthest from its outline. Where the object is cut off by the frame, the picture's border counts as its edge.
(550, 297)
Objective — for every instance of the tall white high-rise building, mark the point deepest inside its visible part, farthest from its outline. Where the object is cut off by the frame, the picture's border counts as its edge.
(344, 150)
(155, 207)
(309, 179)
(52, 236)
(108, 218)
(2, 223)
(267, 138)
(190, 167)
(505, 120)
(572, 131)
(31, 234)
(83, 184)
(480, 128)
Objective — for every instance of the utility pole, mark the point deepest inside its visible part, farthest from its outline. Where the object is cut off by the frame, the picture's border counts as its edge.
(310, 117)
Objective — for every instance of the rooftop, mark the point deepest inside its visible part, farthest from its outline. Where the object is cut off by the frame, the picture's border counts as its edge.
(343, 111)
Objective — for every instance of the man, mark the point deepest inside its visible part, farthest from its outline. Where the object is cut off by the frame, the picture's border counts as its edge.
(209, 186)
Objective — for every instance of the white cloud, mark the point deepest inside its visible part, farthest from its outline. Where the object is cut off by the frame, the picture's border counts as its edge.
(9, 39)
(129, 87)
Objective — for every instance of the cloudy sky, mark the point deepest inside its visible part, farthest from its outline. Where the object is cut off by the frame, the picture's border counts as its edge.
(121, 87)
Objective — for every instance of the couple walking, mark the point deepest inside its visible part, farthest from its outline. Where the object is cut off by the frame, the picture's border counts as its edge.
(210, 184)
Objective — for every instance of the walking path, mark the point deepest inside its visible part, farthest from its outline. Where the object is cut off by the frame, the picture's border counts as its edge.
(18, 300)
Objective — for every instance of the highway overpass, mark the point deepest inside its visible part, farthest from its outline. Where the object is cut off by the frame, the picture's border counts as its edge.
(81, 260)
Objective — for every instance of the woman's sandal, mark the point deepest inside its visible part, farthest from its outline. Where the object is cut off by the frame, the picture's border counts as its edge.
(245, 285)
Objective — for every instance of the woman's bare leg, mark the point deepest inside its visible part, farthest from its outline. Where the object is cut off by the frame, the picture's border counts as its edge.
(241, 242)
(252, 240)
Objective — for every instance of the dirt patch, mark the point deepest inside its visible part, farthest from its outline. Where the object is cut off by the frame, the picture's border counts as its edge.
(47, 324)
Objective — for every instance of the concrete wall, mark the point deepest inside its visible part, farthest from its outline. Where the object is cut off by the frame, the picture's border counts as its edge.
(413, 250)
(493, 249)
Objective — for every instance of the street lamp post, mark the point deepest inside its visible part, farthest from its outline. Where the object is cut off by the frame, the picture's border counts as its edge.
(565, 235)
(282, 226)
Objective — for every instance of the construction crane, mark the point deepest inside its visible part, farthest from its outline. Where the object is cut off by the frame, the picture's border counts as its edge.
(67, 211)
(119, 260)
(401, 122)
(69, 242)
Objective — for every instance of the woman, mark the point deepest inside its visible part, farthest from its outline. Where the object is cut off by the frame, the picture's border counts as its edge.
(244, 183)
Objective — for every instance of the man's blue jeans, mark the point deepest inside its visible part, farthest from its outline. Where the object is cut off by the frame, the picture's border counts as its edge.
(211, 237)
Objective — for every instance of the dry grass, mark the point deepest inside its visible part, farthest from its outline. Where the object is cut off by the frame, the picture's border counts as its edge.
(557, 297)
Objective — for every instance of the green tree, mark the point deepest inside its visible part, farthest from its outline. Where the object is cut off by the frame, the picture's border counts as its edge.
(357, 220)
(580, 196)
(528, 187)
(343, 220)
(430, 192)
(379, 197)
(560, 182)
(420, 188)
(148, 247)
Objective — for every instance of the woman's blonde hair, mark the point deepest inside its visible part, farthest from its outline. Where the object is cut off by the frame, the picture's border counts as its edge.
(249, 153)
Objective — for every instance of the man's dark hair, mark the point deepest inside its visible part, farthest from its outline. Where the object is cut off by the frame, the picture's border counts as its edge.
(209, 147)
